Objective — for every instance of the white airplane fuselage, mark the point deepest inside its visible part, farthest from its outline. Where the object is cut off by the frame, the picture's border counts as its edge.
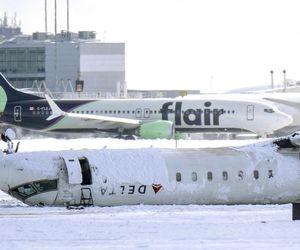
(288, 103)
(187, 115)
(147, 118)
(256, 174)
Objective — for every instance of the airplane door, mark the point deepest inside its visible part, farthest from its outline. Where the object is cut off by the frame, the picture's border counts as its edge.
(74, 170)
(65, 194)
(146, 113)
(18, 113)
(250, 112)
(138, 113)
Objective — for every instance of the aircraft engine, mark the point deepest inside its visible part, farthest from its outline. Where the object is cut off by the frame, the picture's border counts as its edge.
(157, 130)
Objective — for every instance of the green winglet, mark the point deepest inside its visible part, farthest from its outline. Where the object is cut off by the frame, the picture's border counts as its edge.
(3, 100)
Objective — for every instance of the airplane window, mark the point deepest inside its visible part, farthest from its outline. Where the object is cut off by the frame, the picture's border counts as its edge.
(132, 112)
(209, 176)
(128, 112)
(105, 112)
(240, 175)
(87, 111)
(82, 112)
(110, 111)
(119, 111)
(178, 177)
(24, 190)
(256, 174)
(225, 176)
(232, 111)
(269, 110)
(155, 111)
(92, 112)
(194, 176)
(123, 111)
(115, 111)
(77, 112)
(43, 186)
(151, 111)
(270, 174)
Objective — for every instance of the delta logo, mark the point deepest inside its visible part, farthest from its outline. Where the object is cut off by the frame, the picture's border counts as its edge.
(156, 188)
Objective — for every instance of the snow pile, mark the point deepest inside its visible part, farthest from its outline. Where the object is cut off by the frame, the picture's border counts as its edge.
(287, 166)
(144, 166)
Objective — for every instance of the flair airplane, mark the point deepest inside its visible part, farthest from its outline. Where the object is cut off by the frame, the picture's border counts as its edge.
(263, 173)
(147, 118)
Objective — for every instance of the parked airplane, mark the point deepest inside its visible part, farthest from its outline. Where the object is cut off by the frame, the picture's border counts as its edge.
(147, 118)
(261, 173)
(286, 102)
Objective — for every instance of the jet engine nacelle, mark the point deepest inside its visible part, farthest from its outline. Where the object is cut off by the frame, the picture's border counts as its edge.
(160, 129)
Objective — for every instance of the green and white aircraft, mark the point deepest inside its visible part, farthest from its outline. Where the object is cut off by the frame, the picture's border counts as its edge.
(145, 118)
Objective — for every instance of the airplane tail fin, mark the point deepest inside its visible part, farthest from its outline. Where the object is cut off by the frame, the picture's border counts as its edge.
(11, 94)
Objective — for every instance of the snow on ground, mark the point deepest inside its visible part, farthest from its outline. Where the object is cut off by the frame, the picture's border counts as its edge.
(98, 143)
(143, 227)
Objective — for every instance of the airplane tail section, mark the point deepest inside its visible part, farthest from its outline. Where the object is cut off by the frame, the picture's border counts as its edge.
(9, 94)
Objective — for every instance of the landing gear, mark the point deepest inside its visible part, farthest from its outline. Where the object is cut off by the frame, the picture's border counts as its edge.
(125, 137)
(129, 137)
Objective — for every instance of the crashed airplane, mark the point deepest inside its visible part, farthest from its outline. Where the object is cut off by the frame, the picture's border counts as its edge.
(267, 172)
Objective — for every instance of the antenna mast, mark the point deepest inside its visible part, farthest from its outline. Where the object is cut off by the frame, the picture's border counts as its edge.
(46, 30)
(55, 43)
(68, 34)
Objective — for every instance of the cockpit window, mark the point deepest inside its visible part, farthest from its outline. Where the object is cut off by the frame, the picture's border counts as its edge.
(44, 186)
(33, 188)
(24, 191)
(269, 110)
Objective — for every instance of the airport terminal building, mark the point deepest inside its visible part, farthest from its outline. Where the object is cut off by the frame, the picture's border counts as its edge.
(58, 62)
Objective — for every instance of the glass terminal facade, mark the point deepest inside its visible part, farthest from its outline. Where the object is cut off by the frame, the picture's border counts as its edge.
(27, 64)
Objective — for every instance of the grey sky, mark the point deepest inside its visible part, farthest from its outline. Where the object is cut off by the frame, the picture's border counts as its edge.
(207, 45)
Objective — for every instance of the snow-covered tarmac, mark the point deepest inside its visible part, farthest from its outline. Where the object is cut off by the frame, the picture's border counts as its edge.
(143, 227)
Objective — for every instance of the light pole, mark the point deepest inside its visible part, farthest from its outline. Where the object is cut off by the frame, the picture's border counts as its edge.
(284, 80)
(272, 79)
